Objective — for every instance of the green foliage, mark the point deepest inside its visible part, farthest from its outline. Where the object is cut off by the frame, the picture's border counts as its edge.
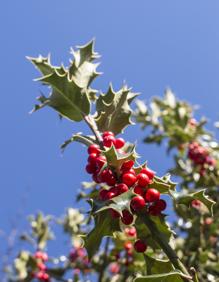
(113, 110)
(104, 226)
(70, 95)
(168, 119)
(187, 199)
(40, 229)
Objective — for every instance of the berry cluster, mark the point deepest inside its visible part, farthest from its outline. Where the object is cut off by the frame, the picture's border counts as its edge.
(41, 274)
(123, 179)
(200, 157)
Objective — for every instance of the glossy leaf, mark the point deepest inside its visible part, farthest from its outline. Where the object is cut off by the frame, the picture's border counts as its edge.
(113, 110)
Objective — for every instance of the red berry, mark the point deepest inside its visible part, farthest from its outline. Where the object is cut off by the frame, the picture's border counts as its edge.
(92, 158)
(93, 149)
(128, 246)
(139, 190)
(127, 217)
(110, 195)
(122, 188)
(114, 190)
(102, 194)
(129, 179)
(154, 211)
(96, 178)
(111, 180)
(140, 246)
(108, 141)
(90, 168)
(41, 266)
(100, 161)
(143, 179)
(127, 165)
(107, 133)
(150, 173)
(105, 174)
(160, 205)
(152, 195)
(137, 203)
(130, 231)
(119, 143)
(114, 213)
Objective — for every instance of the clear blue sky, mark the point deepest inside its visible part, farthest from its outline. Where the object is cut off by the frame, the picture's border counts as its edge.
(149, 44)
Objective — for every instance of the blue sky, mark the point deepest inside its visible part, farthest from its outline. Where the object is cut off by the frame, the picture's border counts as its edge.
(149, 44)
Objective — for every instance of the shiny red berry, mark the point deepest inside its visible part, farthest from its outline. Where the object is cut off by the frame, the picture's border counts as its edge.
(108, 141)
(150, 173)
(107, 133)
(127, 217)
(140, 246)
(137, 203)
(127, 165)
(152, 195)
(92, 158)
(119, 143)
(131, 232)
(111, 180)
(143, 179)
(122, 188)
(93, 149)
(129, 179)
(139, 190)
(110, 195)
(100, 161)
(102, 194)
(96, 178)
(90, 168)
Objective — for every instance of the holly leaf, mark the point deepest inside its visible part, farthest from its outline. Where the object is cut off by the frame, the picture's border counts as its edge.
(70, 95)
(115, 159)
(165, 277)
(163, 184)
(113, 110)
(187, 199)
(157, 266)
(105, 225)
(119, 203)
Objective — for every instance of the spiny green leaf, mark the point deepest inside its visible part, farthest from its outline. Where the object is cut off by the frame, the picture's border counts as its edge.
(163, 184)
(116, 159)
(67, 98)
(70, 95)
(82, 70)
(165, 277)
(113, 110)
(200, 195)
(105, 225)
(119, 203)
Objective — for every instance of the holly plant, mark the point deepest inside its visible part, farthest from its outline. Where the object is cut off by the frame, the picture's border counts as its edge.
(124, 236)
